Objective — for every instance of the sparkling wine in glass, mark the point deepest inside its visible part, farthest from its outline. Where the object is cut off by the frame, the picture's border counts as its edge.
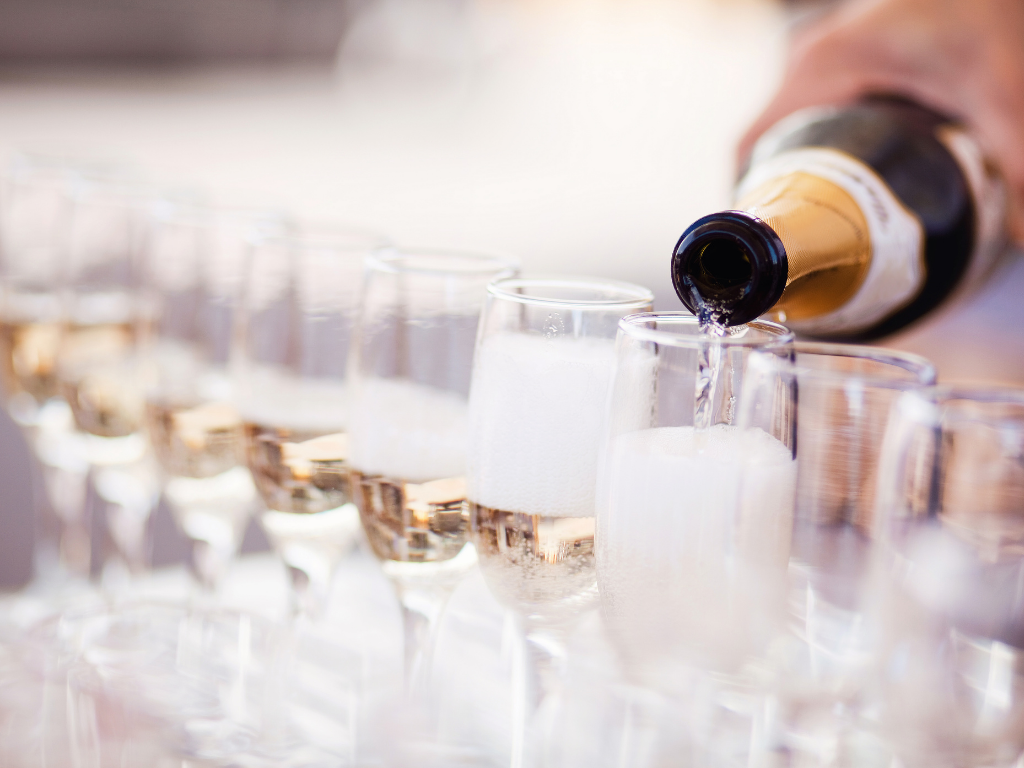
(35, 210)
(695, 512)
(410, 375)
(97, 367)
(300, 300)
(194, 265)
(696, 504)
(541, 379)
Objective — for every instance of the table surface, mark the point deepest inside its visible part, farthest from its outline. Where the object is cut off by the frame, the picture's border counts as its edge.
(473, 661)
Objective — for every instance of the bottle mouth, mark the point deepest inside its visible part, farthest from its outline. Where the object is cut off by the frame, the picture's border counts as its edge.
(729, 266)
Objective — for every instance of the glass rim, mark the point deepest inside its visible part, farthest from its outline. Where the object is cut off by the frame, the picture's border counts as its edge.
(942, 396)
(632, 295)
(921, 370)
(404, 260)
(780, 335)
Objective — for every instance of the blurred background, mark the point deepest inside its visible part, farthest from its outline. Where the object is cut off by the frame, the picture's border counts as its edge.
(581, 136)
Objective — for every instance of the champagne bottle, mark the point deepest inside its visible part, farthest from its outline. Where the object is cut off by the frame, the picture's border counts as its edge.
(851, 222)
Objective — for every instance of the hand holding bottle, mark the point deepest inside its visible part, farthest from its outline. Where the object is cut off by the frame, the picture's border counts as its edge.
(961, 57)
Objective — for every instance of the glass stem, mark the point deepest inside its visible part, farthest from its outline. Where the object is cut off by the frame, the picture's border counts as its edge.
(128, 526)
(209, 563)
(422, 606)
(310, 572)
(130, 492)
(62, 492)
(538, 664)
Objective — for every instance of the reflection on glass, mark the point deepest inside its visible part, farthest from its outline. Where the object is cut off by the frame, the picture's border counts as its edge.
(410, 382)
(541, 378)
(300, 298)
(195, 260)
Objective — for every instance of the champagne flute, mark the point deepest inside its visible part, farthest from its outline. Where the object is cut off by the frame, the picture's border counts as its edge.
(33, 225)
(300, 297)
(97, 365)
(948, 688)
(681, 504)
(541, 376)
(410, 372)
(34, 222)
(194, 261)
(845, 395)
(695, 509)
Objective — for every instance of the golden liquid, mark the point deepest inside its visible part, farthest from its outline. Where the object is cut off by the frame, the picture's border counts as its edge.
(28, 358)
(298, 471)
(413, 522)
(536, 562)
(98, 380)
(198, 441)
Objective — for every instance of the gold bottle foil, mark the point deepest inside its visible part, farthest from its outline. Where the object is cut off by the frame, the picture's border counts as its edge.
(827, 240)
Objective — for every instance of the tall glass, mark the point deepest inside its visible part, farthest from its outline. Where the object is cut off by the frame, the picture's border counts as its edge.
(948, 688)
(683, 506)
(34, 225)
(194, 264)
(410, 374)
(845, 395)
(541, 378)
(34, 215)
(300, 299)
(97, 362)
(695, 510)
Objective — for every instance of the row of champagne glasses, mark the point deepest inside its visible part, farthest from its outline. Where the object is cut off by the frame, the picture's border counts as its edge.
(71, 240)
(735, 512)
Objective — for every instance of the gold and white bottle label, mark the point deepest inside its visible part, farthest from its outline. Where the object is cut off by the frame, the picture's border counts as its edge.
(891, 280)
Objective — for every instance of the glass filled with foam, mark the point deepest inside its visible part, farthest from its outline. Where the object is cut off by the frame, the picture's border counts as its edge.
(694, 515)
(696, 495)
(544, 361)
(409, 376)
(299, 304)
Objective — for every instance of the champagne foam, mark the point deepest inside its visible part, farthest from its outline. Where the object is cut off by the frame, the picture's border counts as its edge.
(286, 402)
(693, 538)
(537, 411)
(408, 431)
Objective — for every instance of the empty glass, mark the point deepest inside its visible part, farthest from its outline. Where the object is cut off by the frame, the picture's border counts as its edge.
(541, 378)
(844, 397)
(948, 688)
(409, 376)
(194, 265)
(300, 299)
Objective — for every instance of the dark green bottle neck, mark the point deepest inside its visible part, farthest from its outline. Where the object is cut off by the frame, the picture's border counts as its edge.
(729, 267)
